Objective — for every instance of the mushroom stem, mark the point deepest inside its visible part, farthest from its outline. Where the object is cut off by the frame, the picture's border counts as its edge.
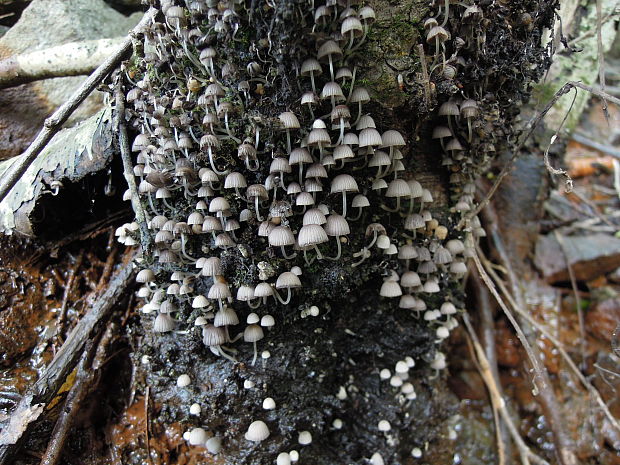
(185, 254)
(288, 257)
(255, 354)
(331, 67)
(258, 217)
(313, 84)
(359, 114)
(393, 210)
(445, 19)
(364, 253)
(308, 261)
(358, 216)
(344, 204)
(279, 297)
(318, 253)
(339, 250)
(151, 204)
(374, 239)
(212, 163)
(288, 141)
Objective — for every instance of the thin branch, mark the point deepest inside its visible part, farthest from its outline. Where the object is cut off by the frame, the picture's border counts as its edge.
(84, 379)
(53, 124)
(71, 59)
(497, 400)
(46, 387)
(145, 236)
(539, 327)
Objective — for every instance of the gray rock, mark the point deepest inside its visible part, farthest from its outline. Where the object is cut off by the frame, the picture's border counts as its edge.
(43, 24)
(589, 256)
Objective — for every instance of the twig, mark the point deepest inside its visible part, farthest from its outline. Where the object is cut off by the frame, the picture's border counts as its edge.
(530, 130)
(146, 424)
(71, 59)
(145, 236)
(487, 330)
(67, 292)
(535, 324)
(573, 283)
(601, 54)
(46, 387)
(540, 379)
(83, 382)
(497, 400)
(608, 149)
(425, 77)
(53, 124)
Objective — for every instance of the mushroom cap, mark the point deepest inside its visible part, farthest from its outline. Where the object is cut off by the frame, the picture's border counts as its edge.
(455, 246)
(329, 49)
(316, 170)
(343, 151)
(392, 138)
(360, 201)
(311, 234)
(410, 279)
(252, 319)
(245, 293)
(360, 95)
(352, 25)
(253, 333)
(304, 199)
(343, 73)
(219, 290)
(365, 122)
(200, 301)
(226, 317)
(257, 431)
(211, 224)
(287, 280)
(318, 137)
(267, 321)
(437, 32)
(257, 190)
(337, 225)
(299, 155)
(213, 336)
(279, 164)
(163, 323)
(398, 188)
(407, 252)
(235, 179)
(263, 290)
(379, 158)
(311, 66)
(390, 289)
(289, 120)
(350, 138)
(344, 183)
(197, 437)
(218, 204)
(370, 137)
(281, 236)
(332, 89)
(407, 301)
(314, 216)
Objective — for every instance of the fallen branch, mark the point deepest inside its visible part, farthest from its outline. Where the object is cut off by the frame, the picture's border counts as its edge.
(497, 400)
(84, 378)
(145, 236)
(72, 59)
(45, 388)
(567, 358)
(53, 124)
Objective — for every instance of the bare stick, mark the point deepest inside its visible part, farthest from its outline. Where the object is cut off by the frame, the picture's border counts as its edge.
(590, 388)
(53, 124)
(46, 387)
(145, 236)
(497, 400)
(72, 59)
(425, 78)
(83, 380)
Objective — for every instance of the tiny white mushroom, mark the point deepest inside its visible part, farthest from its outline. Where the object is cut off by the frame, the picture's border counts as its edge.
(385, 374)
(248, 384)
(257, 431)
(197, 436)
(183, 380)
(376, 459)
(269, 403)
(294, 455)
(416, 452)
(195, 409)
(337, 424)
(283, 458)
(314, 310)
(304, 438)
(214, 445)
(384, 425)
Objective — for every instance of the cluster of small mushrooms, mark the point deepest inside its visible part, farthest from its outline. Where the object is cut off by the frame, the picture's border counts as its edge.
(288, 191)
